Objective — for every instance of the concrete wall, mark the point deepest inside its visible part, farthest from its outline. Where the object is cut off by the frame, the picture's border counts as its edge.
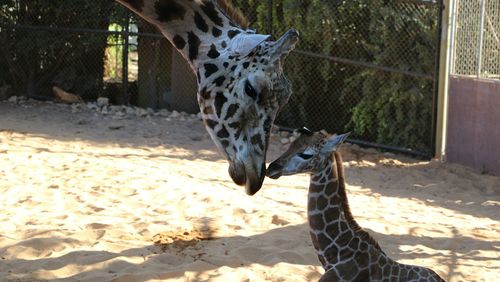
(474, 124)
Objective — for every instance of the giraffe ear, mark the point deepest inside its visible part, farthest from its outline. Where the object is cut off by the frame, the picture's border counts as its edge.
(243, 44)
(334, 142)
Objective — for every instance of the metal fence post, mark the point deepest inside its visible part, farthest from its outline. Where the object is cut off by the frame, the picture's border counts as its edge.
(480, 44)
(270, 16)
(125, 40)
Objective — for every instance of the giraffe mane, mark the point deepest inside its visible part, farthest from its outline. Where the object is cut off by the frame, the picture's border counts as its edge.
(233, 13)
(345, 203)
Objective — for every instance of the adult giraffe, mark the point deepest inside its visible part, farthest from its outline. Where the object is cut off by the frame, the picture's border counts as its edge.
(241, 84)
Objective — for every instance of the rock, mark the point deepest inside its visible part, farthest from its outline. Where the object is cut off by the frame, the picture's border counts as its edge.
(140, 112)
(175, 114)
(292, 139)
(66, 97)
(164, 113)
(102, 102)
(13, 99)
(150, 111)
(6, 92)
(129, 110)
(199, 116)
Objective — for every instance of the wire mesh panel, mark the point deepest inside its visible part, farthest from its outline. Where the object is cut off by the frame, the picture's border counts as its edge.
(365, 66)
(476, 49)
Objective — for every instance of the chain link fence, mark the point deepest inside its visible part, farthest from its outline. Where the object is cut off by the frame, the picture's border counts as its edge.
(476, 49)
(365, 66)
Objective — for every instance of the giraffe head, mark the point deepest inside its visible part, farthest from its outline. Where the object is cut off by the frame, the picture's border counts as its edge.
(240, 94)
(310, 153)
(241, 85)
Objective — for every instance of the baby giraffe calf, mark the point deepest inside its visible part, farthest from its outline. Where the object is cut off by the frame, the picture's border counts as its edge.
(346, 251)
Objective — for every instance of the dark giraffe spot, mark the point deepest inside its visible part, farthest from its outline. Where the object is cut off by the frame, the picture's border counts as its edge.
(211, 123)
(210, 69)
(322, 260)
(362, 259)
(235, 125)
(226, 64)
(220, 100)
(332, 214)
(194, 44)
(344, 238)
(169, 10)
(322, 203)
(335, 200)
(179, 42)
(314, 239)
(343, 227)
(323, 241)
(200, 22)
(331, 253)
(225, 143)
(231, 111)
(245, 65)
(354, 243)
(316, 222)
(216, 32)
(382, 261)
(347, 270)
(223, 133)
(136, 4)
(331, 188)
(220, 80)
(211, 11)
(363, 247)
(333, 229)
(223, 44)
(204, 93)
(257, 140)
(233, 68)
(364, 275)
(387, 271)
(232, 33)
(213, 53)
(249, 90)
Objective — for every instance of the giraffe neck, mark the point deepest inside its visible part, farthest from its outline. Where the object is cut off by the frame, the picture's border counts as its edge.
(198, 29)
(331, 223)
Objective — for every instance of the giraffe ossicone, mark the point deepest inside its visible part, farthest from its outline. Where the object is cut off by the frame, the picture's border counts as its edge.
(241, 84)
(345, 250)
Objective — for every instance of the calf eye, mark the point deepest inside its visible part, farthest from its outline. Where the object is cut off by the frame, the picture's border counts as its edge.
(305, 156)
(250, 91)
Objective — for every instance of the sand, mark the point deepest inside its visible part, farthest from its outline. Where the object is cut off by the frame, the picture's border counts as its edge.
(92, 197)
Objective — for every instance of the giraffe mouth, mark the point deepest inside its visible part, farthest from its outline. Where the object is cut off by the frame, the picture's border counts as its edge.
(245, 173)
(274, 171)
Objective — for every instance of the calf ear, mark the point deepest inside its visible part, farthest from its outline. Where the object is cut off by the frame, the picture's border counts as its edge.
(334, 142)
(243, 44)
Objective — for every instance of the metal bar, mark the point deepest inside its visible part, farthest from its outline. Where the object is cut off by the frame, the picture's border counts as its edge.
(269, 16)
(366, 65)
(372, 145)
(125, 37)
(435, 92)
(481, 34)
(78, 30)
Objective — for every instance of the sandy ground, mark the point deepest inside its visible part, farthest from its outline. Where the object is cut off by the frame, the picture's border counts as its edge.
(86, 197)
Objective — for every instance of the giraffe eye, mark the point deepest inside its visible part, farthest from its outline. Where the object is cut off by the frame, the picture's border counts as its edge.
(250, 91)
(305, 156)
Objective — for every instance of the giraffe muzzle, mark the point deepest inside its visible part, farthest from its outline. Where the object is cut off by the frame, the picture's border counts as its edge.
(246, 174)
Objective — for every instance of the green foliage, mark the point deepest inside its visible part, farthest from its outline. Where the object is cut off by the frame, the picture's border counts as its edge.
(377, 106)
(39, 59)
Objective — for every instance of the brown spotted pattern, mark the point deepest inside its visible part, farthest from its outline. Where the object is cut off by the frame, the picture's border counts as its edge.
(346, 251)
